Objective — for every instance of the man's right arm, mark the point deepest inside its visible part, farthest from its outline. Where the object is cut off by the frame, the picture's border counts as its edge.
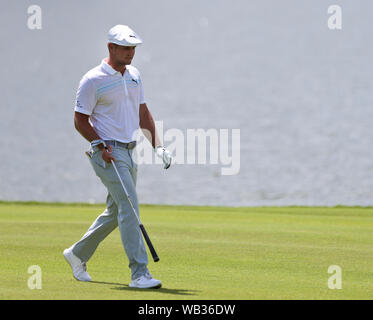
(85, 104)
(84, 127)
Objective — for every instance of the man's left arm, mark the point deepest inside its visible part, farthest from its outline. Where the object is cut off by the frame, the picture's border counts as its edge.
(147, 125)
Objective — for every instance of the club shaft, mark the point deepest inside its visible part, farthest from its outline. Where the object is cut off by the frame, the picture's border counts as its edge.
(142, 228)
(125, 191)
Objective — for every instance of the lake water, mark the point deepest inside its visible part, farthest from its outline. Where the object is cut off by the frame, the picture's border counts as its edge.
(300, 93)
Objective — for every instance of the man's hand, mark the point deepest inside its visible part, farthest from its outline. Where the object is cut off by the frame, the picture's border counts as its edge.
(166, 156)
(107, 153)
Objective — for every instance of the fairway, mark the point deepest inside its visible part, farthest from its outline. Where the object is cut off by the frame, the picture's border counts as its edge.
(205, 252)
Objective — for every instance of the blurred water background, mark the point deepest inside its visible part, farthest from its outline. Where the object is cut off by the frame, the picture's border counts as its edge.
(300, 94)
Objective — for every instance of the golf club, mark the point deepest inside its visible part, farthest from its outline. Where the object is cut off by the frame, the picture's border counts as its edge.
(144, 233)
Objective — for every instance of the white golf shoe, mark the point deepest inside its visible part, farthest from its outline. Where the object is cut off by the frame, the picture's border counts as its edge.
(79, 268)
(146, 282)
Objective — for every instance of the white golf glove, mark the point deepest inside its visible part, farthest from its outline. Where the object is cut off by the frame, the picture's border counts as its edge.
(166, 156)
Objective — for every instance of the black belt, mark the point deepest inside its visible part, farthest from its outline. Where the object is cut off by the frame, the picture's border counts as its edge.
(129, 145)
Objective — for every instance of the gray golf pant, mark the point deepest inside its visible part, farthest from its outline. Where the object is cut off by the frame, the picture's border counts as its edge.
(118, 211)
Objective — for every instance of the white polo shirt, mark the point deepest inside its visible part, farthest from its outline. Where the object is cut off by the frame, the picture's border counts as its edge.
(112, 101)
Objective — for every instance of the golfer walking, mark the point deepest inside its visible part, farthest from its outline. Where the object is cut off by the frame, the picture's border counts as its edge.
(110, 108)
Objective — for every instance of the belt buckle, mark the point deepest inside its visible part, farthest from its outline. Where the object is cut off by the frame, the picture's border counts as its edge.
(131, 145)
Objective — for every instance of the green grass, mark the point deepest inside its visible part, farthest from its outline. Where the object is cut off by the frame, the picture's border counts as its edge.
(205, 252)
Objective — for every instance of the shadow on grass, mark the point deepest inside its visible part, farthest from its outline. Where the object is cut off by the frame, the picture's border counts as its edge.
(125, 287)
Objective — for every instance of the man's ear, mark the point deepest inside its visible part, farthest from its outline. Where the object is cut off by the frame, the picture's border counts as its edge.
(110, 46)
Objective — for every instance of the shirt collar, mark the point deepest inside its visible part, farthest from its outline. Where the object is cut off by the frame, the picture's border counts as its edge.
(108, 68)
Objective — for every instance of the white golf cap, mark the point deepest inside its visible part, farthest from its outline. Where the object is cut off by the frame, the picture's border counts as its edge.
(124, 36)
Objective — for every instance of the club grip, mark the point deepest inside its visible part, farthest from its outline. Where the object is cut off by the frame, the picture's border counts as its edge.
(149, 243)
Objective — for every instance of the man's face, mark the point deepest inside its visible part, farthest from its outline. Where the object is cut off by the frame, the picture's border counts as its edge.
(123, 55)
